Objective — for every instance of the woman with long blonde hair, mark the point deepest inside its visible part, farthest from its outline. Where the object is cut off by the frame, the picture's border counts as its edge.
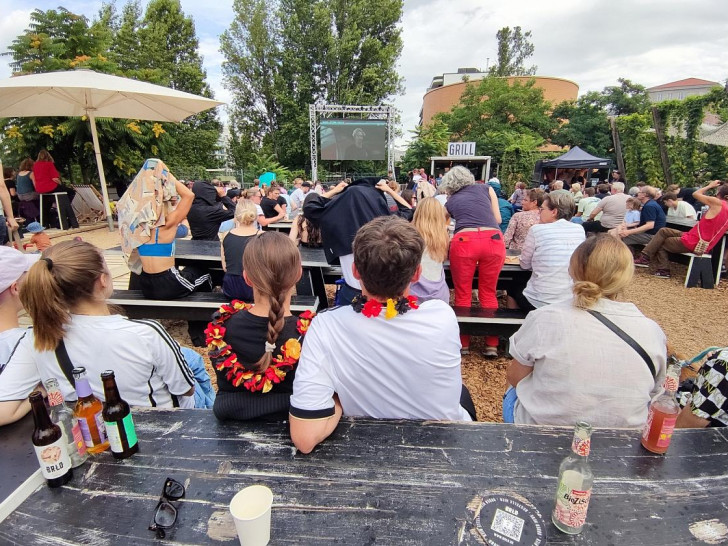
(431, 221)
(255, 348)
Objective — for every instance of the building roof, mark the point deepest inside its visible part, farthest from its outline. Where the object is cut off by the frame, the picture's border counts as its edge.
(688, 82)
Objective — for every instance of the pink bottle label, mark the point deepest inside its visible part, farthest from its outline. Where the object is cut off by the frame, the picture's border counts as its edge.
(668, 427)
(78, 439)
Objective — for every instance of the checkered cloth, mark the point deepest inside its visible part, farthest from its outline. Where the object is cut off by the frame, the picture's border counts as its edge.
(710, 393)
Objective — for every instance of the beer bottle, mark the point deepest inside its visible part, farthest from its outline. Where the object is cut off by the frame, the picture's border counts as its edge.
(575, 483)
(663, 412)
(50, 446)
(88, 412)
(62, 416)
(117, 419)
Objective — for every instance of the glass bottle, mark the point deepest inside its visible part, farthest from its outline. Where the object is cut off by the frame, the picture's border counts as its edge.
(50, 446)
(575, 483)
(64, 418)
(88, 412)
(118, 420)
(663, 412)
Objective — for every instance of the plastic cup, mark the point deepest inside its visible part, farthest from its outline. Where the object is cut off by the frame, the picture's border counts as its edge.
(250, 509)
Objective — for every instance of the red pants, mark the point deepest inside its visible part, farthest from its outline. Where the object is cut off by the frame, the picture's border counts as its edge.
(485, 251)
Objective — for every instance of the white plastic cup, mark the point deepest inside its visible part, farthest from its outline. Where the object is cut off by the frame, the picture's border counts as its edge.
(250, 509)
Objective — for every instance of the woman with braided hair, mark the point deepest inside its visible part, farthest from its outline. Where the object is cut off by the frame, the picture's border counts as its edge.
(255, 348)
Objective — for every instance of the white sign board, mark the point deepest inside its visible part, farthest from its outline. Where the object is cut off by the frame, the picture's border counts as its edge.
(460, 148)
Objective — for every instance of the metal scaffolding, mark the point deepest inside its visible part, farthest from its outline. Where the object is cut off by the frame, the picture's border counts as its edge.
(317, 111)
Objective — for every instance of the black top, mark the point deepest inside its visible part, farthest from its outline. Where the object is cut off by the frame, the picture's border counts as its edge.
(269, 207)
(234, 246)
(247, 334)
(206, 213)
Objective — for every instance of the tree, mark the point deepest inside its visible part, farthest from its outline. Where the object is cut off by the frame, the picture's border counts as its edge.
(625, 98)
(584, 123)
(430, 140)
(514, 47)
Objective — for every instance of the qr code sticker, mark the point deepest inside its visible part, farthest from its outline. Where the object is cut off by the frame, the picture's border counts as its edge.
(507, 525)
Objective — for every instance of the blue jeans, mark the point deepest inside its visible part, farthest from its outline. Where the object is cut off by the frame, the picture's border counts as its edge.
(204, 393)
(509, 405)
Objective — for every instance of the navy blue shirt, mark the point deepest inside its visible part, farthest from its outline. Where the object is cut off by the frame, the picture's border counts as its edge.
(652, 212)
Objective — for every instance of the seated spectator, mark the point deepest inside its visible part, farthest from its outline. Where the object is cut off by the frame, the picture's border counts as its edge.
(232, 247)
(476, 246)
(385, 356)
(505, 207)
(28, 198)
(300, 189)
(522, 221)
(409, 197)
(576, 192)
(304, 232)
(708, 406)
(652, 219)
(208, 210)
(631, 217)
(586, 205)
(676, 208)
(612, 210)
(271, 205)
(710, 228)
(17, 379)
(65, 294)
(603, 191)
(557, 186)
(340, 212)
(431, 221)
(516, 198)
(595, 376)
(265, 338)
(547, 251)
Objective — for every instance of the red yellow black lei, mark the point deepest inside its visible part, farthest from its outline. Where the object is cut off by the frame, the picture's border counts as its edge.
(223, 358)
(372, 308)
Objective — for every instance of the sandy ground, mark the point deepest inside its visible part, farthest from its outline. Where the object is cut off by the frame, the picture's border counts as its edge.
(692, 319)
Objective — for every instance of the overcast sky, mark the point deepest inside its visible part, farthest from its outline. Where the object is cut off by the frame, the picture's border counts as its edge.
(592, 42)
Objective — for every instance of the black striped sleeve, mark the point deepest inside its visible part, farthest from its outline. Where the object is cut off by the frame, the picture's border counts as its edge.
(173, 345)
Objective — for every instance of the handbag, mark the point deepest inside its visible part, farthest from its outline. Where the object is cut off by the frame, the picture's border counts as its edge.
(626, 338)
(703, 245)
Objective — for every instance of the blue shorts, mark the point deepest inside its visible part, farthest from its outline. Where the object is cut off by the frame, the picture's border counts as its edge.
(509, 405)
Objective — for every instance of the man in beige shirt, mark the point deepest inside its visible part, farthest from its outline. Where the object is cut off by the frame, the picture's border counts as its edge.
(613, 209)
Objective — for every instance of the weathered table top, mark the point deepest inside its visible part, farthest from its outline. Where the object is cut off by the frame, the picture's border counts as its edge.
(683, 224)
(383, 482)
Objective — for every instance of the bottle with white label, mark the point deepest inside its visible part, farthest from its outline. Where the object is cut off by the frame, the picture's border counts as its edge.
(50, 446)
(88, 412)
(575, 483)
(117, 418)
(62, 416)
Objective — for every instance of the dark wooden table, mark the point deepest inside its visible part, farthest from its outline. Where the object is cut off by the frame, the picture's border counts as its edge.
(378, 482)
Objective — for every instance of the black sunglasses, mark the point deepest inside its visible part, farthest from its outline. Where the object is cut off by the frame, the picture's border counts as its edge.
(165, 513)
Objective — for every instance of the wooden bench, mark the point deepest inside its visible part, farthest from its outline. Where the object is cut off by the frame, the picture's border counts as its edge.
(196, 306)
(475, 321)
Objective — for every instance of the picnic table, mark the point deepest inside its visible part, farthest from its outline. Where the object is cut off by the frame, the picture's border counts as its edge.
(388, 482)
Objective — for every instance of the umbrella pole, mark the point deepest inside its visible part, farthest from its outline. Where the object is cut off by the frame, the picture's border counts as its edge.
(100, 166)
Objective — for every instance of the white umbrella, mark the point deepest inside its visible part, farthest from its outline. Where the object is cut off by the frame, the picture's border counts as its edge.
(78, 93)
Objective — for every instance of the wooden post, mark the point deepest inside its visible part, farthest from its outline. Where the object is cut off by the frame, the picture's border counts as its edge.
(617, 146)
(659, 132)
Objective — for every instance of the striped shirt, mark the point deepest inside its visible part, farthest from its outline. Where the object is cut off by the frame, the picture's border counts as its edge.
(147, 362)
(547, 251)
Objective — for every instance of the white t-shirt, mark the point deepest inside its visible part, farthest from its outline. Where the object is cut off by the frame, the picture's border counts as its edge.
(149, 367)
(404, 368)
(17, 379)
(547, 251)
(297, 197)
(683, 210)
(346, 262)
(593, 376)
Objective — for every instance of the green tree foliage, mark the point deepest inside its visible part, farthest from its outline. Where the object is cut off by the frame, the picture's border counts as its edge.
(584, 123)
(625, 98)
(514, 48)
(282, 56)
(429, 140)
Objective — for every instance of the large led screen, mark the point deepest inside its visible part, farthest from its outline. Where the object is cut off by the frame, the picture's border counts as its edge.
(348, 139)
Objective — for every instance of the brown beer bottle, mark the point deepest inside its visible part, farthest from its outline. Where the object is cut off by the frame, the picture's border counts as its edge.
(88, 412)
(51, 447)
(118, 421)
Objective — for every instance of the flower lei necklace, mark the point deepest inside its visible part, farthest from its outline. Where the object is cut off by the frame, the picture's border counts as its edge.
(372, 308)
(223, 358)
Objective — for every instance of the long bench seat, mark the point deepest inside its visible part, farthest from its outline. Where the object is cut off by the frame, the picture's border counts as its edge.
(196, 306)
(475, 321)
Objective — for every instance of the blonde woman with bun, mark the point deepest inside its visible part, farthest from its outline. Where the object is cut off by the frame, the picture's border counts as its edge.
(595, 376)
(232, 247)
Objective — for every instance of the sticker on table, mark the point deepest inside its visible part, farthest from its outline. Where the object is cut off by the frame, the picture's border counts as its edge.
(506, 520)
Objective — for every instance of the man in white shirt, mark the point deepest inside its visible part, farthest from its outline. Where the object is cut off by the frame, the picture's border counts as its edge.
(298, 195)
(380, 357)
(586, 205)
(613, 209)
(16, 381)
(677, 208)
(547, 251)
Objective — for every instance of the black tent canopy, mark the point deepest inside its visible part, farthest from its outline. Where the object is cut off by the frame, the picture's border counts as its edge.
(576, 158)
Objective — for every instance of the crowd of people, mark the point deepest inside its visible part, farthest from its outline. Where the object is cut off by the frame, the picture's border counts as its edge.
(391, 348)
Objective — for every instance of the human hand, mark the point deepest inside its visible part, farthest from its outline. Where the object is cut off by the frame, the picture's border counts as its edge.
(713, 184)
(340, 187)
(383, 186)
(11, 223)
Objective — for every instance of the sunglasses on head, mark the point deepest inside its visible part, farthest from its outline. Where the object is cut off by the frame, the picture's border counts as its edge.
(165, 513)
